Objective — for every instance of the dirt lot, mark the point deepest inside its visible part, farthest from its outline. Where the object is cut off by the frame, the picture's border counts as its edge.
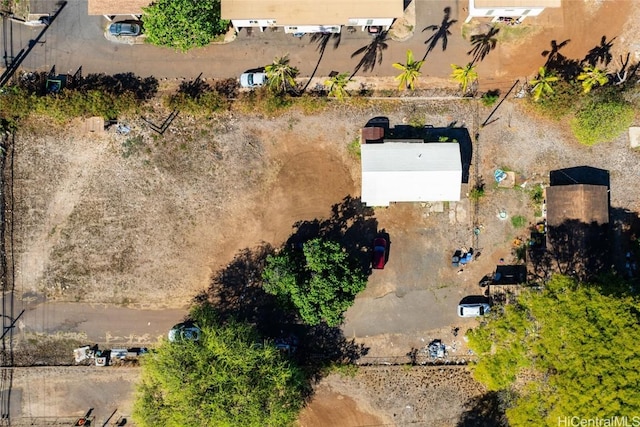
(143, 221)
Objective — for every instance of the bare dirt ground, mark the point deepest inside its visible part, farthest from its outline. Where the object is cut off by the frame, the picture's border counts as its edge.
(143, 220)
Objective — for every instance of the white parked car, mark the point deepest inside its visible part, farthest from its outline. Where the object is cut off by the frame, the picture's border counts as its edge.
(473, 310)
(184, 332)
(251, 80)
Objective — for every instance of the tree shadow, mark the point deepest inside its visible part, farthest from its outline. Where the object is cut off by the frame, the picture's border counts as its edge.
(568, 69)
(371, 53)
(487, 410)
(600, 53)
(117, 84)
(483, 44)
(322, 40)
(440, 33)
(236, 290)
(351, 224)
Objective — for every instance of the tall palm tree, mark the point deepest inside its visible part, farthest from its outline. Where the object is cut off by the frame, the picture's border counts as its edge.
(410, 72)
(542, 84)
(280, 75)
(591, 77)
(483, 44)
(466, 76)
(337, 84)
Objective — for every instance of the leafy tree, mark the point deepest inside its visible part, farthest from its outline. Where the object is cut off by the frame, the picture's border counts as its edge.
(183, 24)
(466, 76)
(337, 86)
(410, 71)
(592, 76)
(321, 280)
(228, 378)
(578, 342)
(281, 76)
(542, 84)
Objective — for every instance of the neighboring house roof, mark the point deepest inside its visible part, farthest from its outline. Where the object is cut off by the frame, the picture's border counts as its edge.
(499, 4)
(585, 203)
(311, 12)
(410, 172)
(117, 7)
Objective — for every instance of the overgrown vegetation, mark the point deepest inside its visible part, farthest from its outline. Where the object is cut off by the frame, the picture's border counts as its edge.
(490, 97)
(577, 342)
(601, 120)
(518, 221)
(230, 377)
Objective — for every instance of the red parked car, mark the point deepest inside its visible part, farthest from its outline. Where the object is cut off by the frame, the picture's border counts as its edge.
(379, 253)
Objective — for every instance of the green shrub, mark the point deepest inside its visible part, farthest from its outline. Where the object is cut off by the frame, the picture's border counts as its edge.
(354, 148)
(518, 221)
(204, 104)
(477, 192)
(601, 120)
(489, 98)
(564, 100)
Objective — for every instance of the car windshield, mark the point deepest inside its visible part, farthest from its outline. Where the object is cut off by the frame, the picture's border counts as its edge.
(250, 79)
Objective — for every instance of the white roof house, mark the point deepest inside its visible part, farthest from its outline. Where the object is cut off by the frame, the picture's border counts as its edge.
(517, 9)
(410, 172)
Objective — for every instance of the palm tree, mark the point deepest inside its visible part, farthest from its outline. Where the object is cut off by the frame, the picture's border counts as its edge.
(337, 84)
(542, 84)
(280, 75)
(466, 76)
(410, 71)
(591, 77)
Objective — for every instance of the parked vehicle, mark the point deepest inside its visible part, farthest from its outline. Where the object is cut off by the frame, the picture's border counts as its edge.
(379, 253)
(186, 331)
(473, 310)
(125, 29)
(251, 80)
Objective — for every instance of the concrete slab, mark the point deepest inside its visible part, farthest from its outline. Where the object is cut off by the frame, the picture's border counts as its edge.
(634, 137)
(509, 181)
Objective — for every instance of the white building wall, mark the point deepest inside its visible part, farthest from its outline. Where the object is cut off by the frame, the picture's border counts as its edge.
(497, 12)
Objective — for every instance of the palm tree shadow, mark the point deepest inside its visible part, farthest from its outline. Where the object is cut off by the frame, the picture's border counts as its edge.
(322, 40)
(556, 62)
(483, 44)
(371, 53)
(440, 32)
(600, 53)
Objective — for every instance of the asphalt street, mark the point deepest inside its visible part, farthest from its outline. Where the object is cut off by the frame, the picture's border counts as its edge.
(76, 40)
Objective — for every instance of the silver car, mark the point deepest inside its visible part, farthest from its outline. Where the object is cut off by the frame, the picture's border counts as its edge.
(124, 29)
(251, 80)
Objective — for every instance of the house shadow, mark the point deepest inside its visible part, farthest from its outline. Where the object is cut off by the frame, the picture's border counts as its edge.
(580, 175)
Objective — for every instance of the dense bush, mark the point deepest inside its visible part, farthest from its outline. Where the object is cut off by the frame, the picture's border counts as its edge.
(565, 99)
(601, 120)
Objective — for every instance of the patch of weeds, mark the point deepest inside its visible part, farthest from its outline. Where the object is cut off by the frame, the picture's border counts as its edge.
(387, 92)
(354, 147)
(489, 98)
(349, 370)
(477, 192)
(131, 146)
(565, 99)
(417, 122)
(521, 253)
(537, 194)
(311, 104)
(518, 221)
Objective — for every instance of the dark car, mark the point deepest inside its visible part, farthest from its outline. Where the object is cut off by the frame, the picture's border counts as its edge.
(379, 253)
(124, 29)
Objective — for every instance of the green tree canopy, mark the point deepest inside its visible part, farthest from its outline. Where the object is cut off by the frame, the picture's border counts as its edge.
(228, 378)
(281, 76)
(542, 85)
(337, 86)
(580, 344)
(591, 77)
(410, 72)
(183, 24)
(320, 281)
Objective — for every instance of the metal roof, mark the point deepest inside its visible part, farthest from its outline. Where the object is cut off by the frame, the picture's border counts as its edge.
(311, 12)
(410, 172)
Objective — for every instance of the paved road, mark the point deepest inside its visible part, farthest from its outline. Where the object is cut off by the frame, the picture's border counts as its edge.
(101, 324)
(76, 39)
